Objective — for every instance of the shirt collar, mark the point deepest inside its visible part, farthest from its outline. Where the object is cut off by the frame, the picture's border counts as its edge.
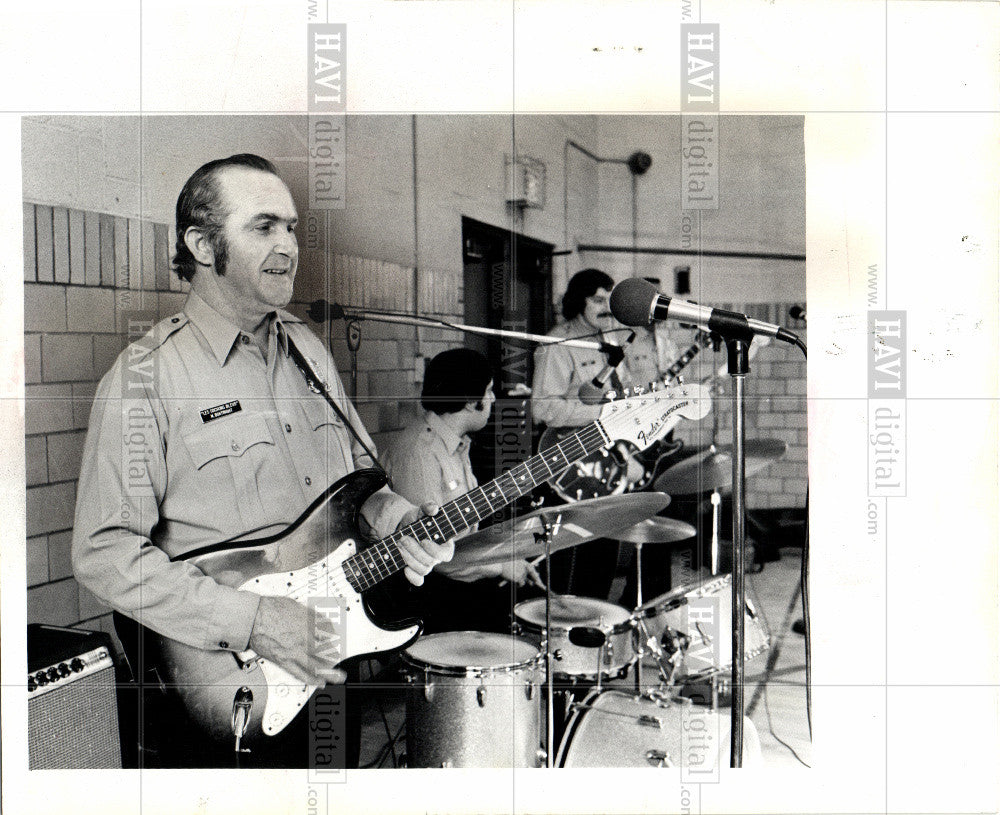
(452, 441)
(579, 329)
(222, 334)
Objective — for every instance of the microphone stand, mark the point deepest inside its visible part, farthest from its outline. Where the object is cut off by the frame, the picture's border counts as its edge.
(320, 310)
(739, 366)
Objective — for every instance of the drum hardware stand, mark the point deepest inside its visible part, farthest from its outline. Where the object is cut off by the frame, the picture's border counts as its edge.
(716, 523)
(546, 535)
(716, 499)
(601, 652)
(638, 605)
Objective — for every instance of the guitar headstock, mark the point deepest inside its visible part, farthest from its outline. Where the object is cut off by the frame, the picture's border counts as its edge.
(647, 417)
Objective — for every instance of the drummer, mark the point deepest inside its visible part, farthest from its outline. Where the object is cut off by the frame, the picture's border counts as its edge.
(429, 462)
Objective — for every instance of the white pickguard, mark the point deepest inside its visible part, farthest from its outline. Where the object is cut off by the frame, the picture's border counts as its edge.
(323, 586)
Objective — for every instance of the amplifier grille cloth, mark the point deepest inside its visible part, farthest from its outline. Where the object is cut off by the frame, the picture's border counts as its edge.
(75, 726)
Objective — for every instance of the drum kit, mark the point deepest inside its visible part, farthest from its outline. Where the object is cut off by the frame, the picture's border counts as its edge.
(477, 699)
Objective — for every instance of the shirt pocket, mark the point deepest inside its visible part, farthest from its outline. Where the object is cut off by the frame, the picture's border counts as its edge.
(236, 452)
(452, 484)
(330, 438)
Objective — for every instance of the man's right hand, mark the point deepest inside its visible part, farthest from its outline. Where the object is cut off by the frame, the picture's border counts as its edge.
(293, 636)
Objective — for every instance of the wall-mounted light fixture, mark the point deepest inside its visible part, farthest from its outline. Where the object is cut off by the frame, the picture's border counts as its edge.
(525, 182)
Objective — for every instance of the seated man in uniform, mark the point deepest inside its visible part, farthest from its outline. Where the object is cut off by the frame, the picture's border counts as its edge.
(206, 431)
(429, 463)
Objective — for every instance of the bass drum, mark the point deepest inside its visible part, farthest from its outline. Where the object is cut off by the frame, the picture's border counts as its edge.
(472, 701)
(616, 729)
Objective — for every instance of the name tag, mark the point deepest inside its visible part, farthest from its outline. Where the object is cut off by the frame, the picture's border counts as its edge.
(217, 412)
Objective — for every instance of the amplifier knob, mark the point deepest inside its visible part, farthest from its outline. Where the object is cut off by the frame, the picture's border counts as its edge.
(53, 675)
(76, 665)
(31, 683)
(41, 678)
(63, 669)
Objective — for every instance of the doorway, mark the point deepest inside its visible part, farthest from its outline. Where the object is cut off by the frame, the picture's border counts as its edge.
(507, 285)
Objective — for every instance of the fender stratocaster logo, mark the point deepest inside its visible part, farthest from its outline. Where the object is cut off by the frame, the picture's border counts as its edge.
(647, 437)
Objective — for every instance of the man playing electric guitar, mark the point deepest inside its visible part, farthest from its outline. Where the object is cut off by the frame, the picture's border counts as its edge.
(206, 430)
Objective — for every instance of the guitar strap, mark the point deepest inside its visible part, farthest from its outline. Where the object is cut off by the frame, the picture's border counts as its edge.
(318, 385)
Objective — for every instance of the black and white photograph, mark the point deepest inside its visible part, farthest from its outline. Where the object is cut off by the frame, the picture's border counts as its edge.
(411, 414)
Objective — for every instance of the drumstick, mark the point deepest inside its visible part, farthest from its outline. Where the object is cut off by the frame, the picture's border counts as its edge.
(533, 575)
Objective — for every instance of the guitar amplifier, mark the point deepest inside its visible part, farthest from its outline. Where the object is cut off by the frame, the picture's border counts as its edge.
(72, 706)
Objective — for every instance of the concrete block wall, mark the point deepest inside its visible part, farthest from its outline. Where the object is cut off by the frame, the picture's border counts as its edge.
(775, 407)
(83, 272)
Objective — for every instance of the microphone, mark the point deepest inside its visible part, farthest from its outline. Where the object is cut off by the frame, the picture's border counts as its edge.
(592, 392)
(797, 313)
(636, 302)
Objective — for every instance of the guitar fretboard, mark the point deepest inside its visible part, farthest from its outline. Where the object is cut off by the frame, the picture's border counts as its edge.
(382, 559)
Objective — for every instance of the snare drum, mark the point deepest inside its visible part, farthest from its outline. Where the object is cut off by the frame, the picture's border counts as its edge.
(702, 616)
(615, 729)
(472, 701)
(576, 622)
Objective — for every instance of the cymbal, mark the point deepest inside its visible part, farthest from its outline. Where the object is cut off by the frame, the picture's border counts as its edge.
(712, 468)
(572, 524)
(657, 530)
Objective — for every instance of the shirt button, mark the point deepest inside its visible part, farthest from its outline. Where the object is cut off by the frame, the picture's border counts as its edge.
(235, 445)
(223, 644)
(288, 428)
(308, 481)
(176, 320)
(244, 339)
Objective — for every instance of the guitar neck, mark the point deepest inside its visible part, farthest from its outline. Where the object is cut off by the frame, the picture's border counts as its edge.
(382, 559)
(682, 361)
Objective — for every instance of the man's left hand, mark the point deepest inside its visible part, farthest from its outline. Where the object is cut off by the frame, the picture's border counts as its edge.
(422, 556)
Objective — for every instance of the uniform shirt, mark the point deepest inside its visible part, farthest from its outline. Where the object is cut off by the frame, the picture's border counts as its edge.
(195, 438)
(560, 370)
(650, 355)
(429, 462)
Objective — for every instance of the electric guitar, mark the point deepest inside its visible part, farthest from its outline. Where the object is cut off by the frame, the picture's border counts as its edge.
(321, 561)
(604, 472)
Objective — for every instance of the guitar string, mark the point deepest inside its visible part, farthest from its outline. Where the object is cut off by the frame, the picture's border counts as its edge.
(385, 558)
(338, 577)
(366, 569)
